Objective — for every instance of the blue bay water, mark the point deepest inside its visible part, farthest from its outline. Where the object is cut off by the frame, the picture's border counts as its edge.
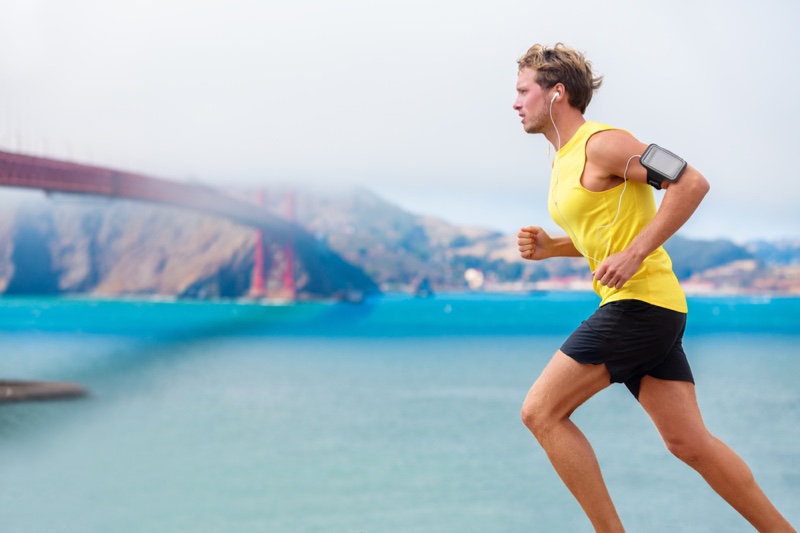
(398, 415)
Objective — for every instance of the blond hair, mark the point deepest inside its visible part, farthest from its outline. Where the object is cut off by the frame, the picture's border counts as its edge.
(566, 65)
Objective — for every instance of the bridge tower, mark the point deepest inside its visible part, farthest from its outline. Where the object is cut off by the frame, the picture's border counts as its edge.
(289, 289)
(257, 286)
(282, 283)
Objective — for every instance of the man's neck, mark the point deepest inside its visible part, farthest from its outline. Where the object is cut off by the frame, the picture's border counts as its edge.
(568, 124)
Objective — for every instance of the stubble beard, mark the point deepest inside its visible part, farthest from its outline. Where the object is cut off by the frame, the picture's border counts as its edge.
(533, 129)
(538, 123)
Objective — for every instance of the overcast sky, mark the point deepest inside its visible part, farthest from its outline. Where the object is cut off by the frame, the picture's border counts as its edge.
(410, 98)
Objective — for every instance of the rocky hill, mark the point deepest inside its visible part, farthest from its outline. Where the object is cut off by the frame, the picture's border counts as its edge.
(357, 243)
(400, 250)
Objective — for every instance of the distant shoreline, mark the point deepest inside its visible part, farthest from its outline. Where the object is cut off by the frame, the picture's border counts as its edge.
(489, 291)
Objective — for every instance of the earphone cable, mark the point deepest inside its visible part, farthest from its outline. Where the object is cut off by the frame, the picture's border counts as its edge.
(554, 196)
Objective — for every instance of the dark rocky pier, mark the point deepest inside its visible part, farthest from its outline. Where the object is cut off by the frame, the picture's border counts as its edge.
(19, 391)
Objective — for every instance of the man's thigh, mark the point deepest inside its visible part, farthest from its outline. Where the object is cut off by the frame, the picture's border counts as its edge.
(565, 384)
(672, 405)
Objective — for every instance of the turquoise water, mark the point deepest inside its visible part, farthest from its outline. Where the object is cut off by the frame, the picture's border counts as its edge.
(399, 415)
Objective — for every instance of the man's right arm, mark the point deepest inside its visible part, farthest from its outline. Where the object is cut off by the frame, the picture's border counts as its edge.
(534, 243)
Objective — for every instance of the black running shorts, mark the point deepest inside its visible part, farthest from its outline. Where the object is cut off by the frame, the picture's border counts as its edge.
(633, 339)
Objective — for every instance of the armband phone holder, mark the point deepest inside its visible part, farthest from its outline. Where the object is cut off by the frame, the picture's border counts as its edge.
(661, 165)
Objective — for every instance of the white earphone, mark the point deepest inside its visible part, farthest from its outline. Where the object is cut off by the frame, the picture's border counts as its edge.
(555, 96)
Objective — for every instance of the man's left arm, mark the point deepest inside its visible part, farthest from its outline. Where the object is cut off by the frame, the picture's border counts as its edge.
(680, 201)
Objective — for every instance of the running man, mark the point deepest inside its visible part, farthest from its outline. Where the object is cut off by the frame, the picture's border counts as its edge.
(601, 196)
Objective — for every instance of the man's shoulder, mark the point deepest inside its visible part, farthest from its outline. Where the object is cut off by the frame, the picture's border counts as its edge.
(610, 151)
(607, 139)
(592, 127)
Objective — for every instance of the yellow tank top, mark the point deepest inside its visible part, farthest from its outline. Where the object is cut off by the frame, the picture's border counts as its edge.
(596, 229)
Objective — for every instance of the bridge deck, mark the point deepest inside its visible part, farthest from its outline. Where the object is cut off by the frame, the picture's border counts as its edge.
(19, 170)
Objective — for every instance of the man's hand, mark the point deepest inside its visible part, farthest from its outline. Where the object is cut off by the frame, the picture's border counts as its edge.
(534, 243)
(617, 269)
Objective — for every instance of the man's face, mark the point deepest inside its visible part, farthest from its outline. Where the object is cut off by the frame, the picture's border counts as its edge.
(531, 103)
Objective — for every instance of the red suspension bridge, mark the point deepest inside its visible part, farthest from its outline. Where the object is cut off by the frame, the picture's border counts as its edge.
(51, 175)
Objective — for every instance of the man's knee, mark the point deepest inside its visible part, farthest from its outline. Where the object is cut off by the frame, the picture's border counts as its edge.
(536, 416)
(691, 449)
(528, 415)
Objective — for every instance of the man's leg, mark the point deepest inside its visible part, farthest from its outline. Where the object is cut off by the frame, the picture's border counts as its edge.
(561, 388)
(672, 405)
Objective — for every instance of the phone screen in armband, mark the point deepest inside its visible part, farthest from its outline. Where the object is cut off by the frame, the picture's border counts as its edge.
(661, 165)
